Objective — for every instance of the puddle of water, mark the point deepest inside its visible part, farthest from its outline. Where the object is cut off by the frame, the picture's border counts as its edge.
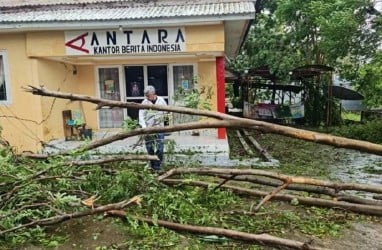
(359, 168)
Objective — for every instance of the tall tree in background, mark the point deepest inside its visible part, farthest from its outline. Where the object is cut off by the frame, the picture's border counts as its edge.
(344, 34)
(369, 81)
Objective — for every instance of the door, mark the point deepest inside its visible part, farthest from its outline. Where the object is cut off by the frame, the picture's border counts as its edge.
(138, 77)
(109, 88)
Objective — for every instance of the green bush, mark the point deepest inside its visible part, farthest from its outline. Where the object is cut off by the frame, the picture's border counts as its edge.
(370, 131)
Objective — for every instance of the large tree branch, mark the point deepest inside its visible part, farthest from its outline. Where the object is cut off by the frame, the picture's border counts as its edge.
(282, 177)
(358, 208)
(302, 187)
(113, 159)
(226, 121)
(112, 103)
(263, 239)
(63, 217)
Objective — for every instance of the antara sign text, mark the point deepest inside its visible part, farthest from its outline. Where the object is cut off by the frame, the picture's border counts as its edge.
(117, 42)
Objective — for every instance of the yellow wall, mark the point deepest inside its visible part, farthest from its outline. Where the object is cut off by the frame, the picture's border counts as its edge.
(55, 76)
(20, 119)
(87, 86)
(47, 43)
(205, 38)
(207, 79)
(68, 78)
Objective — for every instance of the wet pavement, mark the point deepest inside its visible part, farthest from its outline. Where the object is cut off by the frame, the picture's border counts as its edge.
(181, 149)
(359, 167)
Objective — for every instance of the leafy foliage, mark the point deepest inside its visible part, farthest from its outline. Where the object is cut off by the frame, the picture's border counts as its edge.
(369, 81)
(343, 34)
(59, 188)
(195, 98)
(370, 131)
(130, 124)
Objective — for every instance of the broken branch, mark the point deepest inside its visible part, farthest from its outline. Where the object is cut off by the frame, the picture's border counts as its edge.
(263, 239)
(226, 121)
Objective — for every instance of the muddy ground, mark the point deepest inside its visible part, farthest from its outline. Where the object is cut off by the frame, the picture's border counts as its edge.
(89, 233)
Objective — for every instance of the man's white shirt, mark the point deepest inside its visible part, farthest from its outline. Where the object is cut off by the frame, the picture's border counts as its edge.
(152, 118)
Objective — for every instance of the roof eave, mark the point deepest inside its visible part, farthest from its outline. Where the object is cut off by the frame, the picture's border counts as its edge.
(115, 24)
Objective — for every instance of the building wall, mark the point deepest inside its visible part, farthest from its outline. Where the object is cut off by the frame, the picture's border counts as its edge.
(38, 58)
(56, 76)
(205, 38)
(19, 120)
(45, 43)
(207, 78)
(86, 85)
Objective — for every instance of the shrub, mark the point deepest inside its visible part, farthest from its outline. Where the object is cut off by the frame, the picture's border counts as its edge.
(370, 131)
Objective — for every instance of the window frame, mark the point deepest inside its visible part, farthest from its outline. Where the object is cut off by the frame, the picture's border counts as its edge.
(4, 56)
(98, 91)
(171, 79)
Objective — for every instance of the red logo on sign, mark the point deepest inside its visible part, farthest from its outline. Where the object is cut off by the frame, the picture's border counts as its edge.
(80, 38)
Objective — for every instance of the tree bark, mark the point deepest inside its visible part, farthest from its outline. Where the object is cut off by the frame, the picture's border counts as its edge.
(63, 217)
(270, 195)
(262, 239)
(305, 188)
(113, 159)
(358, 208)
(226, 121)
(282, 177)
(244, 143)
(258, 147)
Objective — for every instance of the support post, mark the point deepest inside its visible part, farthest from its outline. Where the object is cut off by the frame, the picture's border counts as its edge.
(220, 80)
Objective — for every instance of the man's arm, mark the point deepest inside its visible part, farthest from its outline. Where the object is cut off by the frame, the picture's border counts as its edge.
(141, 116)
(162, 101)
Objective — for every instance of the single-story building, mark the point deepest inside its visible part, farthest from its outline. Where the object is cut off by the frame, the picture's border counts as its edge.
(109, 49)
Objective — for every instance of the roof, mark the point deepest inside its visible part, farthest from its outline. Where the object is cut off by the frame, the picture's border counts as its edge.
(14, 3)
(40, 11)
(309, 71)
(37, 15)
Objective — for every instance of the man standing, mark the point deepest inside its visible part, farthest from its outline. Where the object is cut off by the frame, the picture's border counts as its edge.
(153, 118)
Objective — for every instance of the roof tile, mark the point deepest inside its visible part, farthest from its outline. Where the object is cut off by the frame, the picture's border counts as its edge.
(19, 11)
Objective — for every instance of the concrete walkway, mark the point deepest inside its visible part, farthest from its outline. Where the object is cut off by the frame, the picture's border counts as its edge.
(181, 149)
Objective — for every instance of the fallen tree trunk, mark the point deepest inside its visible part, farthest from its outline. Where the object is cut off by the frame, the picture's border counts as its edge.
(358, 208)
(284, 178)
(226, 121)
(262, 239)
(303, 187)
(258, 147)
(113, 159)
(244, 143)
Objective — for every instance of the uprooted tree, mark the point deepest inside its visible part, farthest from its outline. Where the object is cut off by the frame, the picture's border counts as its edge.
(48, 189)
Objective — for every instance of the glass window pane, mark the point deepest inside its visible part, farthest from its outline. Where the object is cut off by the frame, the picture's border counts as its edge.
(183, 81)
(183, 77)
(3, 86)
(157, 77)
(134, 81)
(111, 118)
(109, 89)
(109, 83)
